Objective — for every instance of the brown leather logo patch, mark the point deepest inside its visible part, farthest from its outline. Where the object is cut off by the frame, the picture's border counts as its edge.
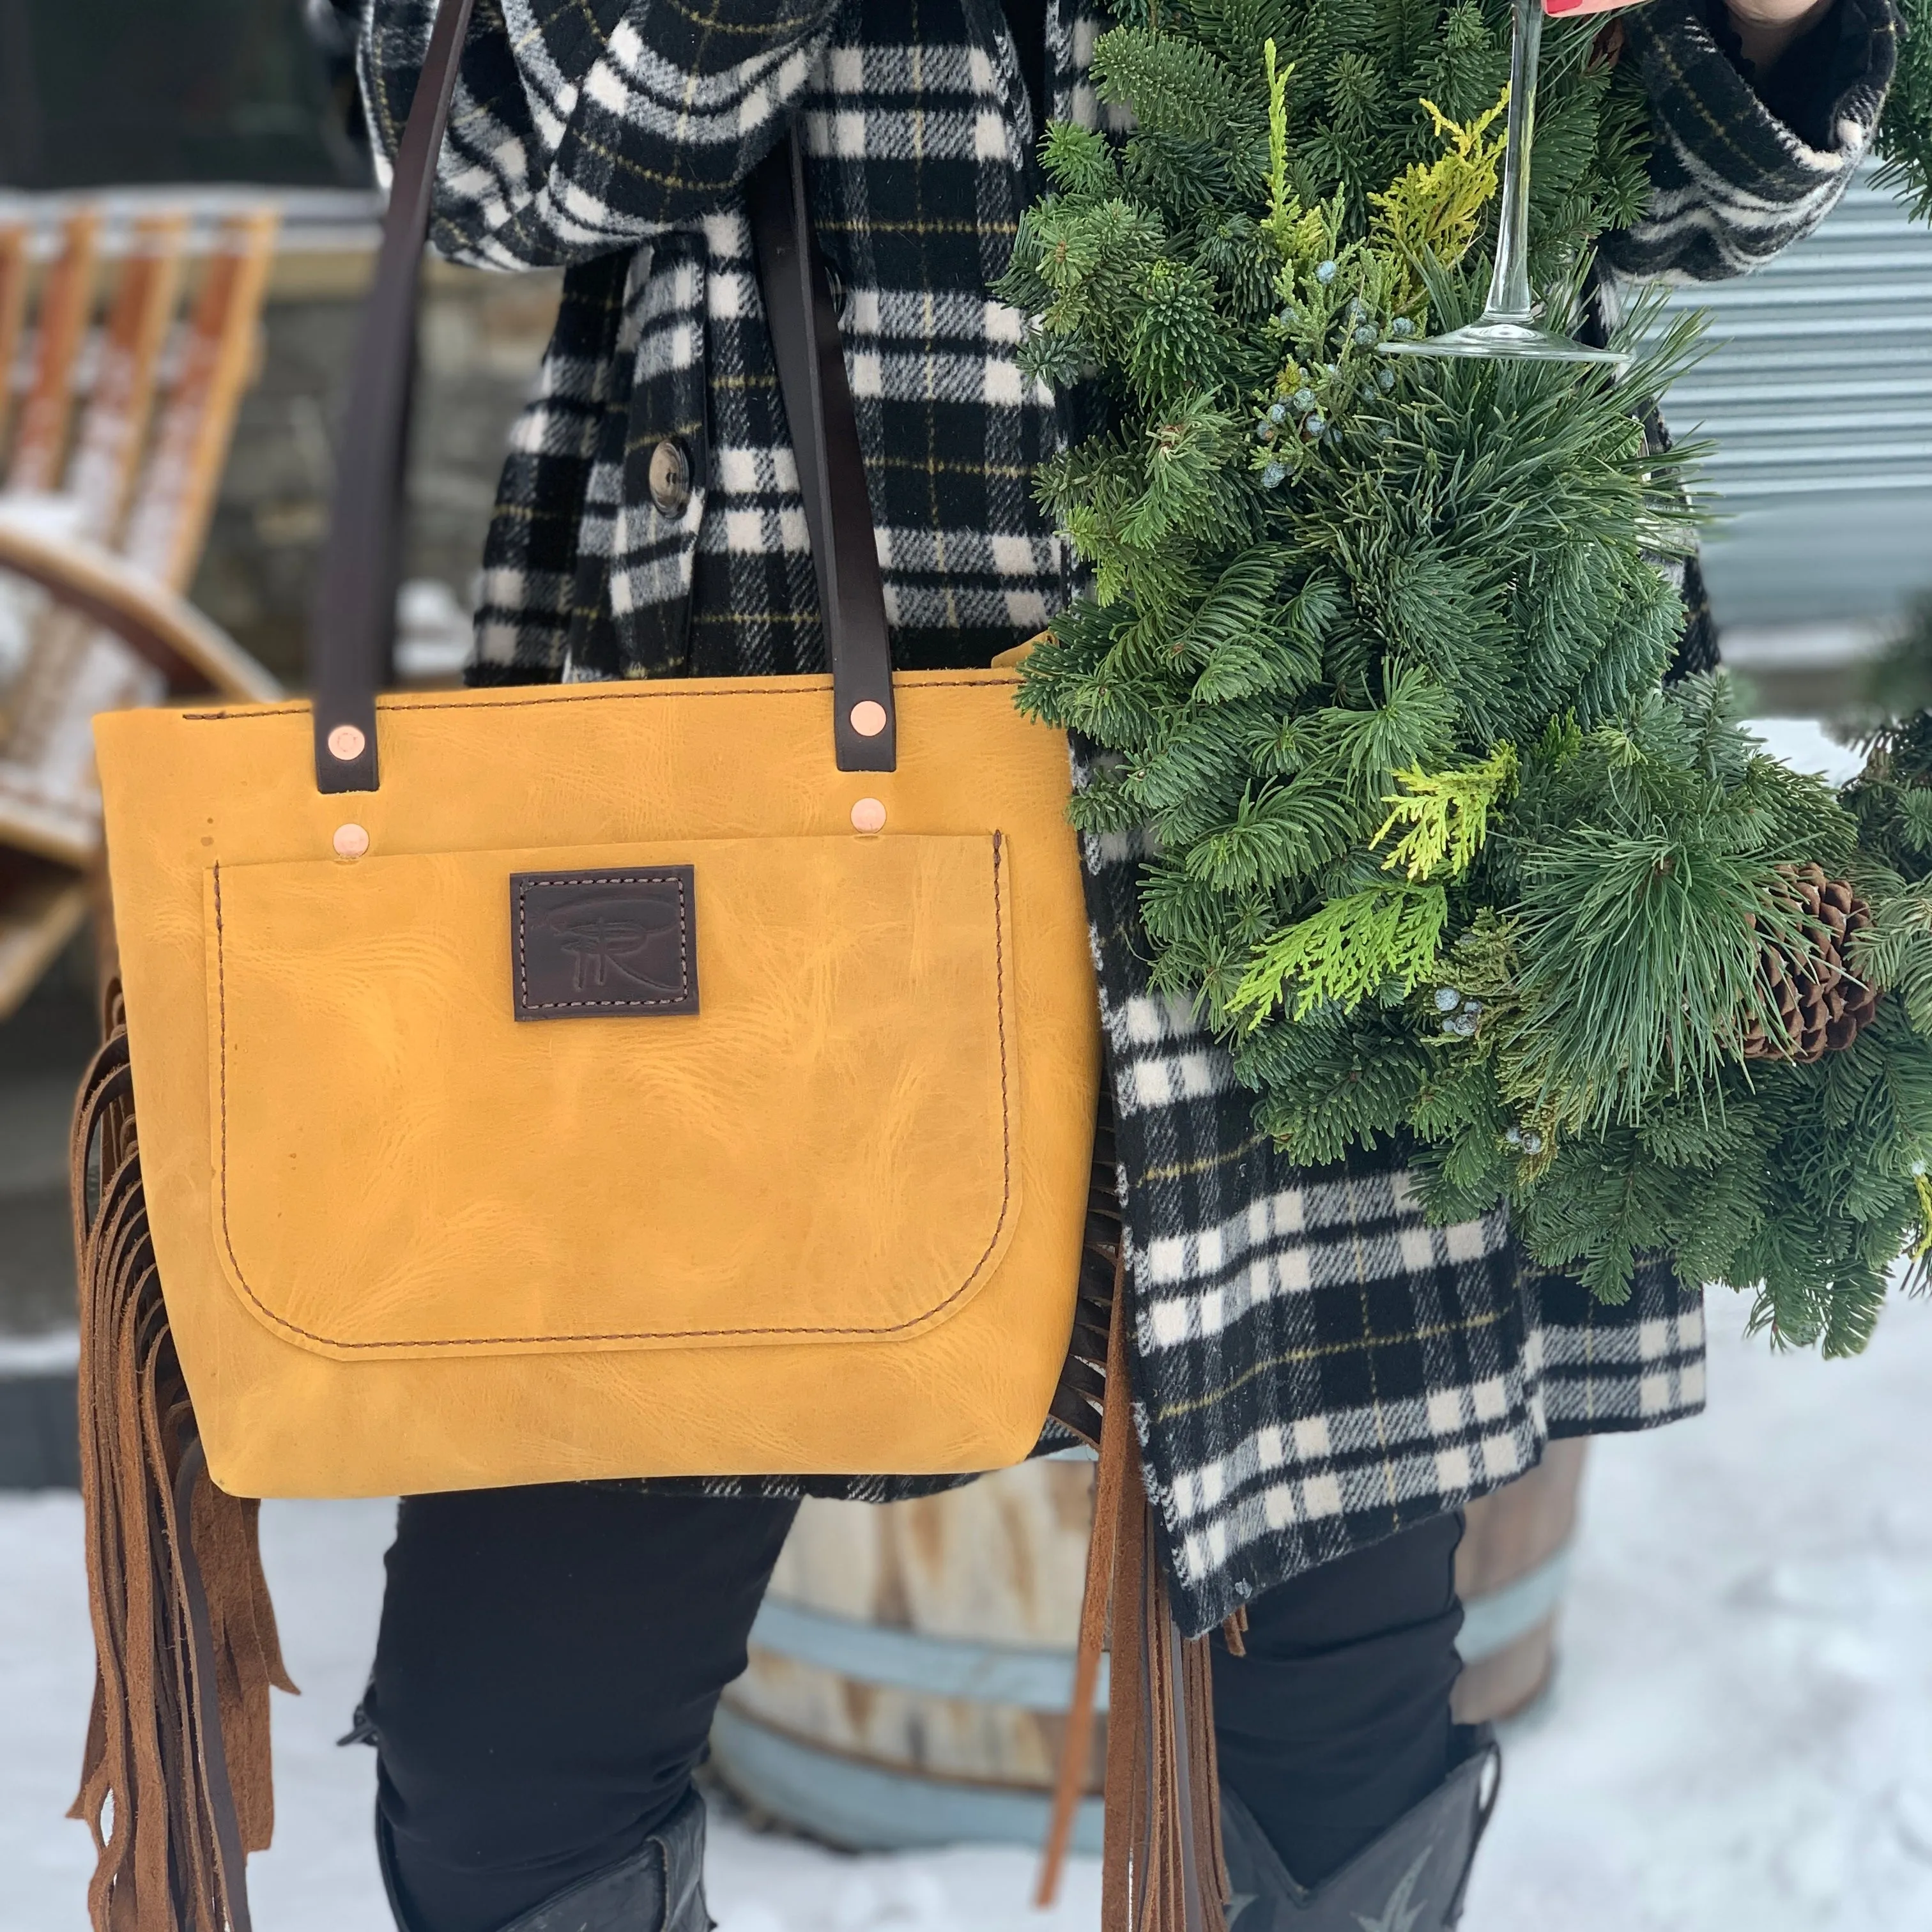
(583, 944)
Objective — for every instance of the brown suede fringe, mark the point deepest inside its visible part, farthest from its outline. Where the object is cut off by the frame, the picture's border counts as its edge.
(175, 1785)
(1163, 1869)
(1079, 1398)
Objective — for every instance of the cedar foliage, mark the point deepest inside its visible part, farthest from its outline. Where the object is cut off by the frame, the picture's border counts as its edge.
(1374, 649)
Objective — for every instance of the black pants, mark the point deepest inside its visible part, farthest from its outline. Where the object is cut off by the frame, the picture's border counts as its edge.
(549, 1660)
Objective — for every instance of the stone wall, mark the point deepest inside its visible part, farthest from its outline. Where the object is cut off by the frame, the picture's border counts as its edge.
(482, 339)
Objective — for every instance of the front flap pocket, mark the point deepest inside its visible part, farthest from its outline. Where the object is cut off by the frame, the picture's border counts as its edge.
(822, 1151)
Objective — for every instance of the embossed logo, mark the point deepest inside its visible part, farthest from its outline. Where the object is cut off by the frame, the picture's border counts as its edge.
(587, 943)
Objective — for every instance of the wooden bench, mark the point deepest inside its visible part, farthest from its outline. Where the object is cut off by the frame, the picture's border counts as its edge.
(114, 448)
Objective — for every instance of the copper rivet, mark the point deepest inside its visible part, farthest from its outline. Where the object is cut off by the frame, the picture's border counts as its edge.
(346, 741)
(350, 842)
(868, 718)
(868, 815)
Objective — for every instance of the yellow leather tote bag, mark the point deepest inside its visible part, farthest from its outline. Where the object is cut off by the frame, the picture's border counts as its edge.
(652, 1078)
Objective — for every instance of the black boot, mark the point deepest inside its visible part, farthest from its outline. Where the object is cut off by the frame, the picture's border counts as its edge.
(1410, 1879)
(658, 1889)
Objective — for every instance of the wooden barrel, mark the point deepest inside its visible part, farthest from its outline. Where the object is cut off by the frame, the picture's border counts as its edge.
(910, 1664)
(1511, 1571)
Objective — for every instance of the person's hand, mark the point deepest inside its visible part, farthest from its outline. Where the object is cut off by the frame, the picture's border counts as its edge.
(1766, 28)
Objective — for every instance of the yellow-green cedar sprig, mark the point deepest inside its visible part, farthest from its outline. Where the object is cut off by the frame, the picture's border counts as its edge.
(1447, 815)
(1386, 940)
(1434, 209)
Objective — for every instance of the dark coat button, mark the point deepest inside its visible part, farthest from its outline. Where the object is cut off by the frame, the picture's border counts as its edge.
(670, 478)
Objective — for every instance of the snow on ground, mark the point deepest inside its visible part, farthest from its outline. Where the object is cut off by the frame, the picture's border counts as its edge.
(1804, 745)
(1741, 1739)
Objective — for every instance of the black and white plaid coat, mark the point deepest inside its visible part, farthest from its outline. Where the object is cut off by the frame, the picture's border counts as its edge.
(1314, 1366)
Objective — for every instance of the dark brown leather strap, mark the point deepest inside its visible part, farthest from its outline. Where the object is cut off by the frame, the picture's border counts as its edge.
(356, 605)
(831, 472)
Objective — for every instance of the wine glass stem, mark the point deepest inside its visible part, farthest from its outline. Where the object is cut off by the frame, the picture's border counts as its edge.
(1509, 286)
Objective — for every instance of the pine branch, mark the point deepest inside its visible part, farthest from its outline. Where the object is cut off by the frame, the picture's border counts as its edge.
(1905, 134)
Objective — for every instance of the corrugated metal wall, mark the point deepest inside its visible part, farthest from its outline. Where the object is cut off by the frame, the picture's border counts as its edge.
(1818, 392)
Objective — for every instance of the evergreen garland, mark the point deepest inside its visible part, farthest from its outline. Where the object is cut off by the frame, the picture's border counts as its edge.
(1374, 649)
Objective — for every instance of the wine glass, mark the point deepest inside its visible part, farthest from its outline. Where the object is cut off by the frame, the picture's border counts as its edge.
(1508, 326)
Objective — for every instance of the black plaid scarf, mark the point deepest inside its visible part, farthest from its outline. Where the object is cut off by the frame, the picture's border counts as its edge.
(1314, 1366)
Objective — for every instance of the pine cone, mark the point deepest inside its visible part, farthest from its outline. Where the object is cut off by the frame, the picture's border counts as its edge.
(1820, 1006)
